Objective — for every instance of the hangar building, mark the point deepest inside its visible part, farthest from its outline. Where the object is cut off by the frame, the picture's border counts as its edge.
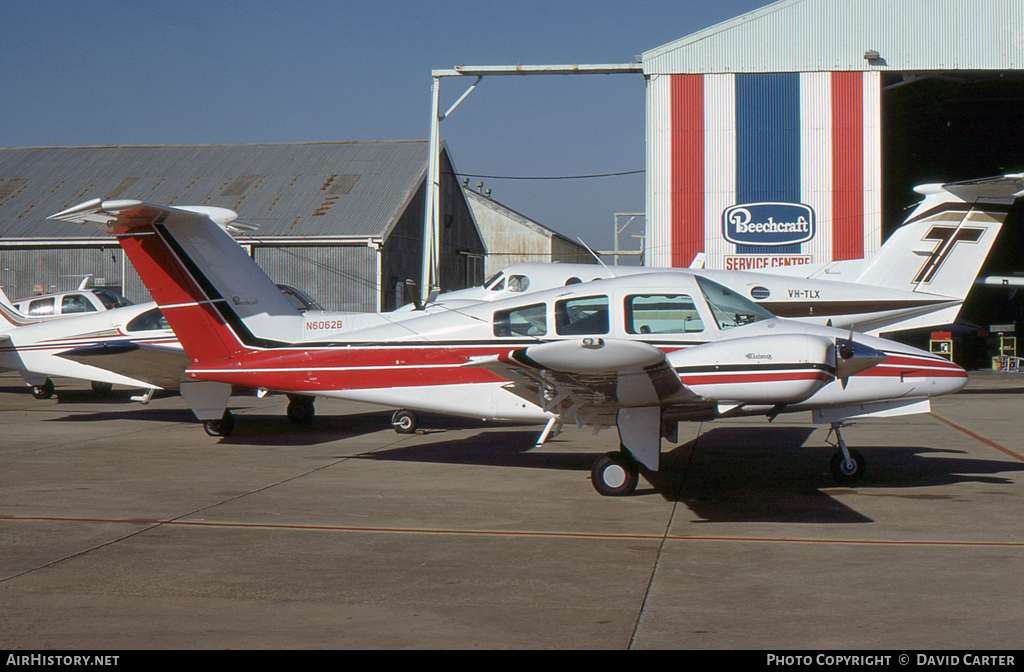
(816, 118)
(342, 221)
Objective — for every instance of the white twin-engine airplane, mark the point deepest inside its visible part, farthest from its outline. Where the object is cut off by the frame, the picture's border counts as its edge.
(641, 353)
(919, 278)
(72, 346)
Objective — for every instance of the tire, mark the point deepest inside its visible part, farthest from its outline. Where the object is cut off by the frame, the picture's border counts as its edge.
(840, 471)
(615, 474)
(222, 427)
(301, 410)
(44, 391)
(102, 388)
(405, 422)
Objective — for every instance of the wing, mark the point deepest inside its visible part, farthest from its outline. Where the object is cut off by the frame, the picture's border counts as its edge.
(159, 366)
(587, 381)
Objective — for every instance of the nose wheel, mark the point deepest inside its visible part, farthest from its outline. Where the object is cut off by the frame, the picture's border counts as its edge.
(846, 465)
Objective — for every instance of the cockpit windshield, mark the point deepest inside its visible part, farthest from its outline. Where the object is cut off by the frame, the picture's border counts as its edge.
(493, 279)
(729, 308)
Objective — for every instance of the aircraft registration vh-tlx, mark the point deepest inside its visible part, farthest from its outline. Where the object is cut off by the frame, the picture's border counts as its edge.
(640, 353)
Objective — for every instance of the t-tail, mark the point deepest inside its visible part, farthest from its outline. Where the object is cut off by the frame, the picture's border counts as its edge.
(216, 299)
(941, 247)
(946, 239)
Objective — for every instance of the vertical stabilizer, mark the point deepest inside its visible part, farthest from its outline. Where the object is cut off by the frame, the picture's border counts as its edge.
(943, 244)
(214, 296)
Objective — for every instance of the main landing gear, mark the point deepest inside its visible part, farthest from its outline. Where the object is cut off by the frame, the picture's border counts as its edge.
(847, 465)
(222, 427)
(300, 409)
(44, 391)
(615, 474)
(405, 422)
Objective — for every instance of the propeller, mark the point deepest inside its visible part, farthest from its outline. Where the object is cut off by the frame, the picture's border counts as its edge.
(853, 358)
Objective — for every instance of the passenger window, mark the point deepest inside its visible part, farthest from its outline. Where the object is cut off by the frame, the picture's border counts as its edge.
(662, 314)
(518, 283)
(75, 303)
(41, 307)
(574, 317)
(525, 321)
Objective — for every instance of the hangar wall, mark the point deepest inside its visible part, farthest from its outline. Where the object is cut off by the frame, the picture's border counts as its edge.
(808, 110)
(759, 170)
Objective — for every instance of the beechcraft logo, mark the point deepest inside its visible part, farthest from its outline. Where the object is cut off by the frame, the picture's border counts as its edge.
(946, 237)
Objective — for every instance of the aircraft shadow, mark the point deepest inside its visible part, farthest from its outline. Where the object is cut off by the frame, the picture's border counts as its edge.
(279, 431)
(734, 474)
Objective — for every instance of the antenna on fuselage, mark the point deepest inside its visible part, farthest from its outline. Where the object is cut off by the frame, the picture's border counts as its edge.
(597, 257)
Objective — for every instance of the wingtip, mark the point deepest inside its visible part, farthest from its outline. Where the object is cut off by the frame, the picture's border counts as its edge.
(75, 212)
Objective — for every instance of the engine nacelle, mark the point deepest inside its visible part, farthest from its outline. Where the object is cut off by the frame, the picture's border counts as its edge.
(761, 370)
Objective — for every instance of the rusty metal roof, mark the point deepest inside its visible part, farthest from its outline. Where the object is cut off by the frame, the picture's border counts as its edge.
(317, 189)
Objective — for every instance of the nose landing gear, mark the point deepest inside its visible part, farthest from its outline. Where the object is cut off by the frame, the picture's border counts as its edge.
(846, 465)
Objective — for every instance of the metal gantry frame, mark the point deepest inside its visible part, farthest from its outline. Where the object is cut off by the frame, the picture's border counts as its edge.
(432, 216)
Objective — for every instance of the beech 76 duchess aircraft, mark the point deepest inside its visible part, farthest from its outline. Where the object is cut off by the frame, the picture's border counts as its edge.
(639, 353)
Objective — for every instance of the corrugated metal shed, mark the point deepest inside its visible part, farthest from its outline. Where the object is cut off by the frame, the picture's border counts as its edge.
(322, 189)
(343, 221)
(512, 238)
(820, 35)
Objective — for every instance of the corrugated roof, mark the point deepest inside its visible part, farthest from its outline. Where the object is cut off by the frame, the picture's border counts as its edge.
(826, 35)
(305, 189)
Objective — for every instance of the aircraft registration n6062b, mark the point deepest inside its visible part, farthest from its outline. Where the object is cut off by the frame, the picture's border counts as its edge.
(640, 353)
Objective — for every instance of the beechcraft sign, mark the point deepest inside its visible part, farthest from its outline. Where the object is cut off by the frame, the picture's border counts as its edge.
(768, 224)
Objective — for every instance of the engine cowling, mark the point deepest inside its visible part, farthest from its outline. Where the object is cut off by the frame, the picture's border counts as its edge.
(761, 370)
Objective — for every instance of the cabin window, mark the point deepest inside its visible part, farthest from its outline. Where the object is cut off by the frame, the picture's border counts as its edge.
(662, 314)
(589, 315)
(41, 307)
(518, 283)
(525, 321)
(75, 303)
(729, 308)
(151, 320)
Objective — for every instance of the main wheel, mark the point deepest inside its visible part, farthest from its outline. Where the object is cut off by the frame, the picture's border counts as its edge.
(301, 410)
(44, 391)
(101, 388)
(846, 473)
(405, 422)
(222, 427)
(615, 474)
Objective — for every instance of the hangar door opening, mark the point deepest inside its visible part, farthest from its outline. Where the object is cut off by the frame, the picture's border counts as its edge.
(949, 126)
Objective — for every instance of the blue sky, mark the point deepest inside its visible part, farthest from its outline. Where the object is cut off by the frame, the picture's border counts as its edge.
(97, 72)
